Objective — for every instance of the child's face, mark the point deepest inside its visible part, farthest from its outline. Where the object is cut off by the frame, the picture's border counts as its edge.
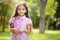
(21, 10)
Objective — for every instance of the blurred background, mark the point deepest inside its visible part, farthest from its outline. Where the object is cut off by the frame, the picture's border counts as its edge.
(45, 15)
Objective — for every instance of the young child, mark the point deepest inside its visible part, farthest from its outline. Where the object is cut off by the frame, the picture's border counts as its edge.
(20, 23)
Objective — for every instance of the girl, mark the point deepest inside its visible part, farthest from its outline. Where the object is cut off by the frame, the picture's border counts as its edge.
(20, 23)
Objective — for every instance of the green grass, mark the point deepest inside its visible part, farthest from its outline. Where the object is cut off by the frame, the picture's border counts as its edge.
(48, 35)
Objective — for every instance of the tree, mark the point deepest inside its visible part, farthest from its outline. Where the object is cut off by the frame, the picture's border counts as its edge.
(50, 11)
(57, 14)
(42, 4)
(5, 5)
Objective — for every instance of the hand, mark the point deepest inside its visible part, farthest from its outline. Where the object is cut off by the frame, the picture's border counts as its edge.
(20, 30)
(16, 31)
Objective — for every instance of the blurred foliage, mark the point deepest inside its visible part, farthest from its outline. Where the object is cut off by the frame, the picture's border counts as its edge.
(7, 7)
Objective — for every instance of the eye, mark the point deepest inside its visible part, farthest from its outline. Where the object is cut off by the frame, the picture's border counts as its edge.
(23, 9)
(19, 9)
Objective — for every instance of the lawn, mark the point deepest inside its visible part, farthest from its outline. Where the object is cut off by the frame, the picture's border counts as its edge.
(48, 35)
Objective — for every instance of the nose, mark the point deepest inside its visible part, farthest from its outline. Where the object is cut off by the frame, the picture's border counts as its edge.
(21, 10)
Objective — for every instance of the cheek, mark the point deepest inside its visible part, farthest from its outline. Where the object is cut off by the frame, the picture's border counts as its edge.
(18, 11)
(24, 12)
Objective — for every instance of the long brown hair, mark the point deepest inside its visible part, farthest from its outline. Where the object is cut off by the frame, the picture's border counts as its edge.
(15, 13)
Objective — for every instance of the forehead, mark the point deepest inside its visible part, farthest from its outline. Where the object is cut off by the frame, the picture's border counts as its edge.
(21, 6)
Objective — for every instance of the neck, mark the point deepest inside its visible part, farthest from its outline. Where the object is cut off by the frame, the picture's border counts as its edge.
(21, 15)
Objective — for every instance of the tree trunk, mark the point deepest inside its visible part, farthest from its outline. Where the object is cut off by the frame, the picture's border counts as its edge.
(4, 11)
(47, 23)
(3, 28)
(42, 15)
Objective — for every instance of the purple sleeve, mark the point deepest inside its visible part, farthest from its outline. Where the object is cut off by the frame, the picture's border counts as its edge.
(11, 20)
(29, 21)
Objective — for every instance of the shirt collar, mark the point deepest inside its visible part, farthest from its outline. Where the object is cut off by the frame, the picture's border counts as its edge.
(22, 17)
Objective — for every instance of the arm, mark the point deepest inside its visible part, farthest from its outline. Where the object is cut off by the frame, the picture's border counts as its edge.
(29, 28)
(11, 27)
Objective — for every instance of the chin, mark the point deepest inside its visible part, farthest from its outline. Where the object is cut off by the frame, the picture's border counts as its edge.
(21, 15)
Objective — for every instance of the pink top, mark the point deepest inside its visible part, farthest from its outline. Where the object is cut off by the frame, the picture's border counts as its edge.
(20, 22)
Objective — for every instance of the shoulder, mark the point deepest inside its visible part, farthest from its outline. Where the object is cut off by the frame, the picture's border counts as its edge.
(29, 21)
(11, 19)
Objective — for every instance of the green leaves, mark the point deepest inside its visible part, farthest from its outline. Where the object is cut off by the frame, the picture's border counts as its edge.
(50, 10)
